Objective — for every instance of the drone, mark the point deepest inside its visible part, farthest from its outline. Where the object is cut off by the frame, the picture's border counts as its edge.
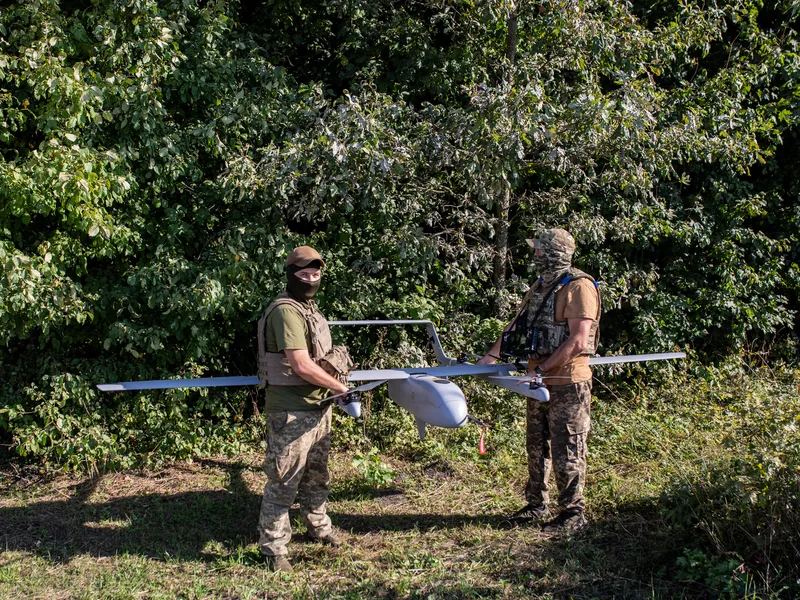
(425, 392)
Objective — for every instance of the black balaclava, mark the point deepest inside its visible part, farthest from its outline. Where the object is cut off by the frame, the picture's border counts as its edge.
(299, 289)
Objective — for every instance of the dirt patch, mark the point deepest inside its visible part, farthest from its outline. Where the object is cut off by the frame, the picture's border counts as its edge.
(391, 498)
(440, 469)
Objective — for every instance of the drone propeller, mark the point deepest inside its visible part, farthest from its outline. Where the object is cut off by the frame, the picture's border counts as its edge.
(350, 401)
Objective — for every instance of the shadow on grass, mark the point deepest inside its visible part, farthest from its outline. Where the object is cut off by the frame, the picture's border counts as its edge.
(359, 490)
(357, 523)
(190, 525)
(629, 553)
(154, 525)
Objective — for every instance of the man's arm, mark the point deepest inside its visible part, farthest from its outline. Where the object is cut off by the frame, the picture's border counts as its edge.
(575, 344)
(311, 372)
(493, 354)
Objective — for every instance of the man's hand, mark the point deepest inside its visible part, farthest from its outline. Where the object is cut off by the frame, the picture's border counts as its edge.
(487, 360)
(311, 372)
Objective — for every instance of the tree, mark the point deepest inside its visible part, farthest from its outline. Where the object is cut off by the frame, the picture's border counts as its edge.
(159, 159)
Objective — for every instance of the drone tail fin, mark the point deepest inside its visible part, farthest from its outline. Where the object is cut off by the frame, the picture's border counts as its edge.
(421, 428)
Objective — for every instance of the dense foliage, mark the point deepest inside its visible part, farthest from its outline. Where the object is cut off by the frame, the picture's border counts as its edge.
(159, 158)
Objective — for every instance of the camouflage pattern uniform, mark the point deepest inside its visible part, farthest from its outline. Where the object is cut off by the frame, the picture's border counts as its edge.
(556, 437)
(557, 430)
(296, 464)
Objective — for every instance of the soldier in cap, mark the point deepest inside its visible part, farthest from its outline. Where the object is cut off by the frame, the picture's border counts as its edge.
(299, 367)
(556, 329)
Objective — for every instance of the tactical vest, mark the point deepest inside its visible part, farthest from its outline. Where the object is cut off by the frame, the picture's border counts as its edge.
(552, 333)
(274, 367)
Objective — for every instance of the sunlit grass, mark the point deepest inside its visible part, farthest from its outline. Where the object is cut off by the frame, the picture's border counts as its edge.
(436, 531)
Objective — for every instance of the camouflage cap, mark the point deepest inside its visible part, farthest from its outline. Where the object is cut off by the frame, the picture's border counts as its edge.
(302, 256)
(554, 239)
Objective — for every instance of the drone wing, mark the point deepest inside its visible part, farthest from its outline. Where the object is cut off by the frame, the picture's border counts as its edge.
(205, 382)
(487, 371)
(377, 375)
(630, 358)
(440, 371)
(461, 369)
(599, 360)
(166, 384)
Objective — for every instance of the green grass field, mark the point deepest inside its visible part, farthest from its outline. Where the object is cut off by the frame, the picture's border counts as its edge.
(188, 530)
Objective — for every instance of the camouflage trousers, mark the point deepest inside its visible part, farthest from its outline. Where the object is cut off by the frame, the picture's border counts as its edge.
(556, 440)
(298, 444)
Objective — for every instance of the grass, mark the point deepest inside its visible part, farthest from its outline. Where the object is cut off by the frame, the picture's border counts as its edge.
(188, 531)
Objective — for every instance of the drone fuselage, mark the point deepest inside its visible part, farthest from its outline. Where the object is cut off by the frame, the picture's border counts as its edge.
(432, 400)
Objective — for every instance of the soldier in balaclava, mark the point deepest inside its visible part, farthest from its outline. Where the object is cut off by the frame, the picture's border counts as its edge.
(299, 367)
(556, 329)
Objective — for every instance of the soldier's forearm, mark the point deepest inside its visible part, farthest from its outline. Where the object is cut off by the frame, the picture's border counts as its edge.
(492, 354)
(316, 375)
(563, 354)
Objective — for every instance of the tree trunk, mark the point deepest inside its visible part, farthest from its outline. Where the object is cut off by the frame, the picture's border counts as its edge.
(503, 205)
(511, 41)
(501, 249)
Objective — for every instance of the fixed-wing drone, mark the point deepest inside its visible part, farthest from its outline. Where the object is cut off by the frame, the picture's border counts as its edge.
(425, 392)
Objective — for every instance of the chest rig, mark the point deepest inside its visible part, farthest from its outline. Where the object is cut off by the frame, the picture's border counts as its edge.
(535, 333)
(274, 367)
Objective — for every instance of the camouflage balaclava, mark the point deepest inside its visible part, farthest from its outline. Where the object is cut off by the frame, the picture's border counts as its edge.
(557, 247)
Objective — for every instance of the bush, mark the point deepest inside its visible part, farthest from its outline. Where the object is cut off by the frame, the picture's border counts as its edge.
(746, 499)
(158, 159)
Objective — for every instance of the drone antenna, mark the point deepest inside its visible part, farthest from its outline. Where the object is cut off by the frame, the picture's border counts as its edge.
(433, 337)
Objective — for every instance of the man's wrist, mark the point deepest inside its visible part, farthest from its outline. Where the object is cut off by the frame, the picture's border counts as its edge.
(539, 371)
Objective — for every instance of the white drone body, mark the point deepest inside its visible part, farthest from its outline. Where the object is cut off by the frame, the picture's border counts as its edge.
(426, 392)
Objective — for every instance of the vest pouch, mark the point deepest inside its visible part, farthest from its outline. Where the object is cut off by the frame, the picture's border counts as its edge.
(263, 377)
(551, 337)
(532, 340)
(514, 343)
(337, 363)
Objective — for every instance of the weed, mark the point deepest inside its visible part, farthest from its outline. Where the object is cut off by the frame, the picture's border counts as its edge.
(374, 471)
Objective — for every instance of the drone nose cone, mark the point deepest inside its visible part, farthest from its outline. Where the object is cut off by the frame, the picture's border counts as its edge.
(352, 408)
(432, 400)
(453, 405)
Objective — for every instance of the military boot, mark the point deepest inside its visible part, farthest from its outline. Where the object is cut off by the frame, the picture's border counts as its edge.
(330, 539)
(279, 563)
(567, 521)
(530, 513)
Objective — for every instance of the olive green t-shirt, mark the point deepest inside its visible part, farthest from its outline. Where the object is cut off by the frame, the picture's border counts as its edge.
(287, 330)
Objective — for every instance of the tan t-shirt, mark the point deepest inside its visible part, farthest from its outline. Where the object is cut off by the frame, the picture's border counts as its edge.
(576, 300)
